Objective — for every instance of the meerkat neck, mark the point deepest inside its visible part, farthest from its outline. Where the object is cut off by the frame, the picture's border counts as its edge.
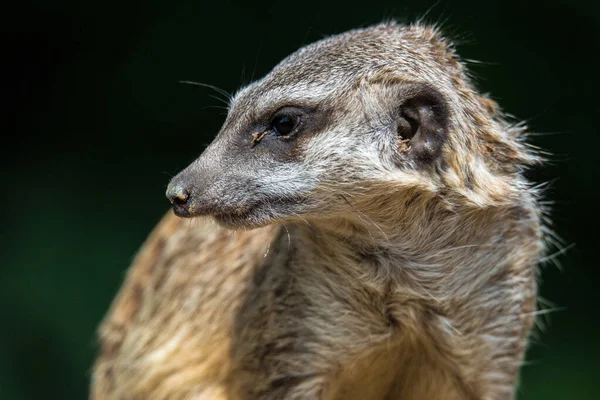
(450, 234)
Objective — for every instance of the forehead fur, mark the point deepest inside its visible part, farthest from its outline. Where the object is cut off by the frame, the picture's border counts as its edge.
(416, 53)
(392, 47)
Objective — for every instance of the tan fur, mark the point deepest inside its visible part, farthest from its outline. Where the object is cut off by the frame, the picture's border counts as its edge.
(150, 344)
(402, 283)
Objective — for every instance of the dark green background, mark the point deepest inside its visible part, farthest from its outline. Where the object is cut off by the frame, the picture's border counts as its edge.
(95, 123)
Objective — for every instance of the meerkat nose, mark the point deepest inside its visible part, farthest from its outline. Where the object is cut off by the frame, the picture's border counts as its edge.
(178, 196)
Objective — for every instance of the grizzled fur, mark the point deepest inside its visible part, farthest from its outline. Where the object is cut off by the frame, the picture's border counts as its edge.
(387, 250)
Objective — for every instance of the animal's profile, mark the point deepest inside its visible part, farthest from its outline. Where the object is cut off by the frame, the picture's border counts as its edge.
(375, 239)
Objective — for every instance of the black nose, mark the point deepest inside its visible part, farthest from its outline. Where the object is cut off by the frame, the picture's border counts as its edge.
(179, 196)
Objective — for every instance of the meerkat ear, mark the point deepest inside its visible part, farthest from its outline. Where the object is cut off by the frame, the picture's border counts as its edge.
(422, 124)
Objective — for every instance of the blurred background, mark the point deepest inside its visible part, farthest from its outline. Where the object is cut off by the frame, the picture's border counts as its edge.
(95, 123)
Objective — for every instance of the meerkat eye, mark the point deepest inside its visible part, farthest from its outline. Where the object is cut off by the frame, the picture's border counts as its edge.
(285, 124)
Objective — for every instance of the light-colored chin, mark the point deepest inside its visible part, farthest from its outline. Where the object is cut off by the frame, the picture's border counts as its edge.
(245, 221)
(255, 219)
(237, 224)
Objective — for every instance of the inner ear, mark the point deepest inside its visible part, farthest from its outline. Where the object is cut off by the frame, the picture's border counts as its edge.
(422, 124)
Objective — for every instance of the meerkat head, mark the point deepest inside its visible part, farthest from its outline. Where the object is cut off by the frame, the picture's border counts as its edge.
(370, 114)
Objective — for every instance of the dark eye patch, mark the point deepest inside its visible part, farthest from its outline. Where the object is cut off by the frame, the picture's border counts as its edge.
(283, 132)
(284, 123)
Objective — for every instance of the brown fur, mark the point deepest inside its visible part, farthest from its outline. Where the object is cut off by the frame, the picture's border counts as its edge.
(414, 283)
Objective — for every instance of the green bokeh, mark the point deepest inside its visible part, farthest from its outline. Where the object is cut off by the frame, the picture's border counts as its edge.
(97, 124)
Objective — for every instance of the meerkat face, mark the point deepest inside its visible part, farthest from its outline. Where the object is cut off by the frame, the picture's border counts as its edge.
(339, 121)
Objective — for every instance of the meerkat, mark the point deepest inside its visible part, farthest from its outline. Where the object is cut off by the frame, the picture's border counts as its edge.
(375, 238)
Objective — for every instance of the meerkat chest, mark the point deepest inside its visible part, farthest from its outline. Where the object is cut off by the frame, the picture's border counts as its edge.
(182, 309)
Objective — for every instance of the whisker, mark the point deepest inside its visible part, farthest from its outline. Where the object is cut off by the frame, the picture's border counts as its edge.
(222, 92)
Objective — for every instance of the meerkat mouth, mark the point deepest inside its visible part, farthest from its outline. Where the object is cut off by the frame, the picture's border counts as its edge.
(259, 213)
